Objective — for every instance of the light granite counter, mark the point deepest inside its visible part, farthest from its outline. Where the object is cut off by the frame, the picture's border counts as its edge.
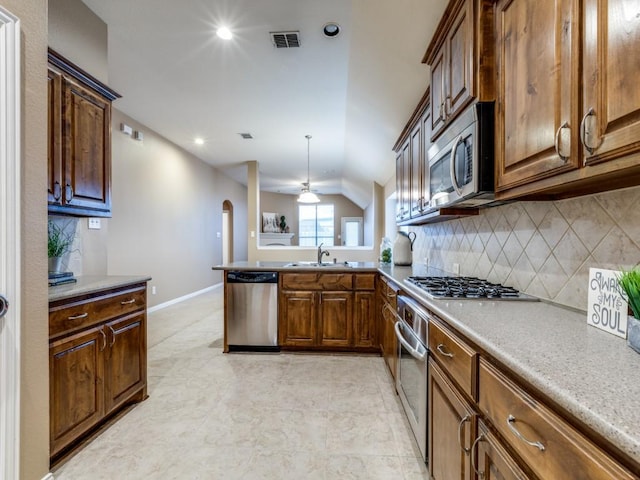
(285, 266)
(592, 374)
(91, 284)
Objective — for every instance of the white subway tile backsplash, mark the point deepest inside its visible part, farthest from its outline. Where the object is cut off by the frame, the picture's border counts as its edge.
(542, 248)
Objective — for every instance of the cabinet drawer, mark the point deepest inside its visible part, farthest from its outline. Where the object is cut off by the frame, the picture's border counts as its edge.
(455, 356)
(389, 292)
(549, 445)
(364, 281)
(317, 281)
(78, 314)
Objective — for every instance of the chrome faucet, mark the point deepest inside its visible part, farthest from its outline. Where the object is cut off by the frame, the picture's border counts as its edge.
(321, 253)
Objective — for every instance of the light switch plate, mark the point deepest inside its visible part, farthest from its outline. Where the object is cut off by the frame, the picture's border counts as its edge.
(94, 224)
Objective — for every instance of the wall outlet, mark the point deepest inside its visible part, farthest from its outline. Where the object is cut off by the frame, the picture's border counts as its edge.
(218, 235)
(456, 268)
(153, 290)
(94, 224)
(253, 234)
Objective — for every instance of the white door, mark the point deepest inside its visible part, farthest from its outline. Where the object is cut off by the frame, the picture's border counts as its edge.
(352, 231)
(9, 244)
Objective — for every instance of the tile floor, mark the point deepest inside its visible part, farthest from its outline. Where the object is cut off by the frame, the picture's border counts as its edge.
(250, 416)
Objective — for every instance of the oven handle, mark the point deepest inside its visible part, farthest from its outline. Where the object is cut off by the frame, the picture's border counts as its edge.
(418, 355)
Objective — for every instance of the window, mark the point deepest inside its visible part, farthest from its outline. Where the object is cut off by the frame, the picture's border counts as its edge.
(315, 225)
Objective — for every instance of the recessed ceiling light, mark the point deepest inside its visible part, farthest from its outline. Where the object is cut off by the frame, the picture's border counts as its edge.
(331, 29)
(224, 33)
(199, 141)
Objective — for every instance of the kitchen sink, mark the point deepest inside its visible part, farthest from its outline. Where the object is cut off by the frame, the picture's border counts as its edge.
(319, 265)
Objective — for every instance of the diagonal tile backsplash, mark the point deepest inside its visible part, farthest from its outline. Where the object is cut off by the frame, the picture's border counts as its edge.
(541, 248)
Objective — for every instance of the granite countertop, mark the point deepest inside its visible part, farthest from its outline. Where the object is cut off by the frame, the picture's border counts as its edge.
(286, 266)
(91, 284)
(592, 374)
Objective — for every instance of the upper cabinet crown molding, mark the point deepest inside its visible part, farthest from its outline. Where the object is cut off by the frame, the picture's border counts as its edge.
(76, 72)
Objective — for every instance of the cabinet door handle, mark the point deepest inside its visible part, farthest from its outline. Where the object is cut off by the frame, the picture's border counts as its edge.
(57, 190)
(441, 113)
(128, 302)
(78, 317)
(104, 339)
(564, 158)
(447, 104)
(465, 419)
(442, 351)
(584, 133)
(68, 192)
(510, 423)
(473, 455)
(113, 336)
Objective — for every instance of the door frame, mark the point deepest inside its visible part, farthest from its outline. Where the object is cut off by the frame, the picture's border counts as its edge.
(10, 217)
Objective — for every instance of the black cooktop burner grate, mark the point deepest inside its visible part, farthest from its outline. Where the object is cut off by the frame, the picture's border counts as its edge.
(463, 287)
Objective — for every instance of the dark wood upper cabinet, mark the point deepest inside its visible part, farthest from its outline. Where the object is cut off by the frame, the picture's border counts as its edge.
(461, 57)
(568, 112)
(79, 129)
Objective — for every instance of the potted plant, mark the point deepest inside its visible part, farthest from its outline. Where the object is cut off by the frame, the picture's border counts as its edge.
(59, 242)
(283, 224)
(629, 281)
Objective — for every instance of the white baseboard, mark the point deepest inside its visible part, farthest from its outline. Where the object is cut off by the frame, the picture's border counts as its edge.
(183, 298)
(48, 476)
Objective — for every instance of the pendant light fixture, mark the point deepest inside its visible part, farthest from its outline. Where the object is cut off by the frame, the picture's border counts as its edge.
(307, 196)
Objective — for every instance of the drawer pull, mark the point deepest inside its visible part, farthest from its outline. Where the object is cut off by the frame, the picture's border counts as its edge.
(473, 455)
(104, 339)
(128, 302)
(442, 351)
(78, 317)
(510, 421)
(465, 419)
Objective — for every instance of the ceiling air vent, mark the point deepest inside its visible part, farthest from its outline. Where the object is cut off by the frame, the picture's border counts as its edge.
(246, 136)
(285, 39)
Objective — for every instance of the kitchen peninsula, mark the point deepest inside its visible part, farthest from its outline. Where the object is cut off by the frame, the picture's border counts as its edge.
(574, 386)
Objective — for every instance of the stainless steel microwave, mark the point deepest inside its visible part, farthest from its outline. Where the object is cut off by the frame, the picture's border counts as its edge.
(461, 166)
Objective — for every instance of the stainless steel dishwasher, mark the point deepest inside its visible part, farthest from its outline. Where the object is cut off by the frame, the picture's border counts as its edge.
(252, 311)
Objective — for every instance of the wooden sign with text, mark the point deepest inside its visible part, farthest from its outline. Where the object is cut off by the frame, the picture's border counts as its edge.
(607, 302)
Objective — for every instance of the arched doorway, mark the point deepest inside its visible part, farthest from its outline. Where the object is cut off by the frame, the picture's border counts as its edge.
(227, 232)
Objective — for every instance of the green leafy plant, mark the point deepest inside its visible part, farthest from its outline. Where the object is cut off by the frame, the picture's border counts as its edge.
(283, 223)
(59, 241)
(629, 280)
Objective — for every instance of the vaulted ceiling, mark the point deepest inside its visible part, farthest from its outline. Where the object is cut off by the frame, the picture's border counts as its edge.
(353, 93)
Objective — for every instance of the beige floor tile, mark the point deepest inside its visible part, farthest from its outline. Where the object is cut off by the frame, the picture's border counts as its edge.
(283, 416)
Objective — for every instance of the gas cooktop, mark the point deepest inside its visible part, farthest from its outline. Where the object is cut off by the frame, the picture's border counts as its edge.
(466, 288)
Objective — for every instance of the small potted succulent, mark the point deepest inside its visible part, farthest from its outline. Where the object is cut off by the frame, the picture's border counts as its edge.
(629, 281)
(59, 242)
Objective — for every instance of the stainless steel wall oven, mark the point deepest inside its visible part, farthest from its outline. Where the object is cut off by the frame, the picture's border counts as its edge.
(411, 375)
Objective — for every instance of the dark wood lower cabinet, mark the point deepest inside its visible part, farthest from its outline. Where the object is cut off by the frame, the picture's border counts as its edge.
(331, 311)
(336, 319)
(493, 460)
(76, 368)
(297, 325)
(127, 354)
(451, 427)
(97, 361)
(363, 322)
